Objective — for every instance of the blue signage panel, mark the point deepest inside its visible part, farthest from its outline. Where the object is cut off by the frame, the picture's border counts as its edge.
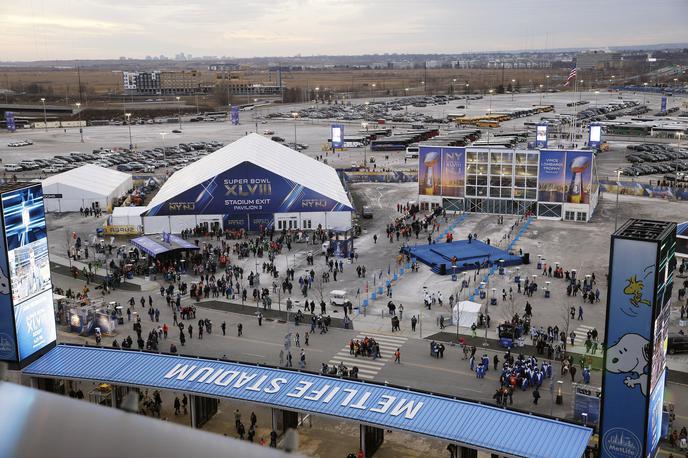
(552, 176)
(234, 115)
(9, 121)
(247, 188)
(627, 360)
(664, 105)
(453, 171)
(541, 136)
(337, 136)
(29, 269)
(374, 404)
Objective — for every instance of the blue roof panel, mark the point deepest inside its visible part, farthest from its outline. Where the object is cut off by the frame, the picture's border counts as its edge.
(477, 425)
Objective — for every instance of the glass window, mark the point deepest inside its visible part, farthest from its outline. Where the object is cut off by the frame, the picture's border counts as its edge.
(581, 216)
(482, 156)
(496, 169)
(481, 180)
(531, 182)
(470, 191)
(520, 170)
(532, 170)
(470, 168)
(521, 158)
(471, 156)
(520, 182)
(481, 191)
(531, 194)
(506, 192)
(471, 179)
(482, 168)
(533, 158)
(494, 180)
(507, 169)
(519, 193)
(496, 157)
(506, 181)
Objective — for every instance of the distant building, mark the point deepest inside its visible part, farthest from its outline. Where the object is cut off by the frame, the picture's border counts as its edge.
(180, 83)
(598, 60)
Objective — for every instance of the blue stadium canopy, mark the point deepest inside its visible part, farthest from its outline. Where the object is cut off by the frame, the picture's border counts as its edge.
(471, 424)
(157, 247)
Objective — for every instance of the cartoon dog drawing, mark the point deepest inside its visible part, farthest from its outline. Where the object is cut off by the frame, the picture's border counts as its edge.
(630, 355)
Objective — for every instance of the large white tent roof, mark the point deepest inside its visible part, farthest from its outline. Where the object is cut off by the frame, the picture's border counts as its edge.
(264, 153)
(91, 178)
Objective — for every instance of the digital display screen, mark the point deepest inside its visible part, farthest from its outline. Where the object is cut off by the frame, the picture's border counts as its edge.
(541, 133)
(27, 245)
(337, 135)
(29, 268)
(595, 134)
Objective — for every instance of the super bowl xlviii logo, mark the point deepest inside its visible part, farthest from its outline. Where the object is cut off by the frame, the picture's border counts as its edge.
(621, 443)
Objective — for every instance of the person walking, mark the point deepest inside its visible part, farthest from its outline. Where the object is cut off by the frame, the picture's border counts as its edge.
(536, 395)
(223, 326)
(580, 312)
(302, 359)
(260, 319)
(240, 329)
(289, 359)
(401, 312)
(177, 405)
(414, 320)
(281, 357)
(397, 356)
(572, 371)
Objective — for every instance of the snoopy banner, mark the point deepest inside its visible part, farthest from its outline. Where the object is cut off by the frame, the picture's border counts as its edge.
(629, 349)
(430, 171)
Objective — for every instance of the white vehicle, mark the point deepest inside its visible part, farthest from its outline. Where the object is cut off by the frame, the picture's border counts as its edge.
(51, 170)
(13, 168)
(338, 297)
(412, 152)
(268, 132)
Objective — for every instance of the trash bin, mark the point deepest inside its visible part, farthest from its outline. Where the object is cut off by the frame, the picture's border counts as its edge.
(493, 301)
(482, 294)
(546, 294)
(501, 271)
(517, 279)
(454, 277)
(130, 274)
(373, 296)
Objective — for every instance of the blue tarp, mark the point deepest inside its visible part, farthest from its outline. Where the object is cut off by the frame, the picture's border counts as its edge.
(154, 247)
(682, 228)
(490, 428)
(469, 255)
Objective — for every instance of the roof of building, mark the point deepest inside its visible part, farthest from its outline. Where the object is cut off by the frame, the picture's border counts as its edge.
(682, 228)
(473, 424)
(264, 153)
(89, 177)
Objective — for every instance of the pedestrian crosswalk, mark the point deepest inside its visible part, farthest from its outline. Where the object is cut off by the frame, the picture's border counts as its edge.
(368, 367)
(581, 334)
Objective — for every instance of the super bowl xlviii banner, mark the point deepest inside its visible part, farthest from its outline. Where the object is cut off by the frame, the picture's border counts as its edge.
(9, 121)
(234, 115)
(247, 188)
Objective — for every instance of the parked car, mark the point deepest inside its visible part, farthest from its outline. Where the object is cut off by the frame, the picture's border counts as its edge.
(13, 168)
(277, 139)
(176, 131)
(51, 170)
(268, 132)
(367, 212)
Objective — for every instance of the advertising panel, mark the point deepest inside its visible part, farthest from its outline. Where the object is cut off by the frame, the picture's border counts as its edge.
(337, 136)
(8, 342)
(663, 108)
(541, 136)
(453, 171)
(429, 171)
(578, 177)
(551, 183)
(626, 372)
(235, 221)
(654, 419)
(595, 136)
(260, 221)
(234, 115)
(247, 188)
(29, 269)
(9, 121)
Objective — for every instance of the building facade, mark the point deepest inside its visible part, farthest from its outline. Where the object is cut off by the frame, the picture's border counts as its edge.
(552, 184)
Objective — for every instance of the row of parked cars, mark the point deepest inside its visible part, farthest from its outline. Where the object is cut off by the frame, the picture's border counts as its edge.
(123, 159)
(652, 158)
(20, 143)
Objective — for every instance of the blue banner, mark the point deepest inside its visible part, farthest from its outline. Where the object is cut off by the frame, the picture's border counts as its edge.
(663, 109)
(234, 115)
(552, 175)
(627, 360)
(9, 121)
(247, 188)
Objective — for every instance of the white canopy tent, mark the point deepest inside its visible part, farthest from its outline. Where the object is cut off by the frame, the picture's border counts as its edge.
(83, 187)
(126, 216)
(466, 313)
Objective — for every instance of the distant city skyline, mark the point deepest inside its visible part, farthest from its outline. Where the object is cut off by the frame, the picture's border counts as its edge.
(101, 29)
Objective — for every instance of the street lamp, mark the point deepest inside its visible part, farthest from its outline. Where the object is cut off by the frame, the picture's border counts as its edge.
(467, 86)
(255, 113)
(406, 102)
(596, 92)
(490, 91)
(179, 110)
(644, 93)
(295, 115)
(489, 128)
(422, 83)
(541, 95)
(547, 83)
(128, 118)
(513, 89)
(81, 129)
(164, 153)
(678, 135)
(453, 84)
(317, 91)
(45, 115)
(616, 212)
(372, 88)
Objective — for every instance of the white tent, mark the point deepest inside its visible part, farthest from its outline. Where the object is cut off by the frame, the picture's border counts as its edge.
(126, 216)
(466, 313)
(309, 192)
(84, 186)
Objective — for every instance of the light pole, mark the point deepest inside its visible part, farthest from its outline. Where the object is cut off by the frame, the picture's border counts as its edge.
(491, 91)
(81, 129)
(616, 212)
(678, 135)
(179, 111)
(541, 95)
(255, 114)
(513, 89)
(365, 145)
(596, 92)
(128, 118)
(406, 101)
(467, 99)
(164, 153)
(489, 128)
(547, 83)
(453, 84)
(45, 115)
(295, 114)
(644, 93)
(372, 88)
(422, 83)
(317, 94)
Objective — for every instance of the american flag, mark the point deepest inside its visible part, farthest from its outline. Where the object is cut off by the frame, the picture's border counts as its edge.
(572, 75)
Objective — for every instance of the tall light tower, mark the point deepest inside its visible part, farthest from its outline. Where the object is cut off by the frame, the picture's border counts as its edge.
(45, 115)
(513, 89)
(164, 152)
(81, 129)
(179, 111)
(295, 115)
(128, 118)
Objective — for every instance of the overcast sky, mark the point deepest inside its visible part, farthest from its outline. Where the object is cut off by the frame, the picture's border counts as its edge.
(49, 29)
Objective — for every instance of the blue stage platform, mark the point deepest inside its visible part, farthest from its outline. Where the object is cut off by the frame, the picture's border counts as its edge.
(469, 256)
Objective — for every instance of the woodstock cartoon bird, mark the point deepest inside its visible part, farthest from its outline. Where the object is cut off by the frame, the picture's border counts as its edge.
(635, 290)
